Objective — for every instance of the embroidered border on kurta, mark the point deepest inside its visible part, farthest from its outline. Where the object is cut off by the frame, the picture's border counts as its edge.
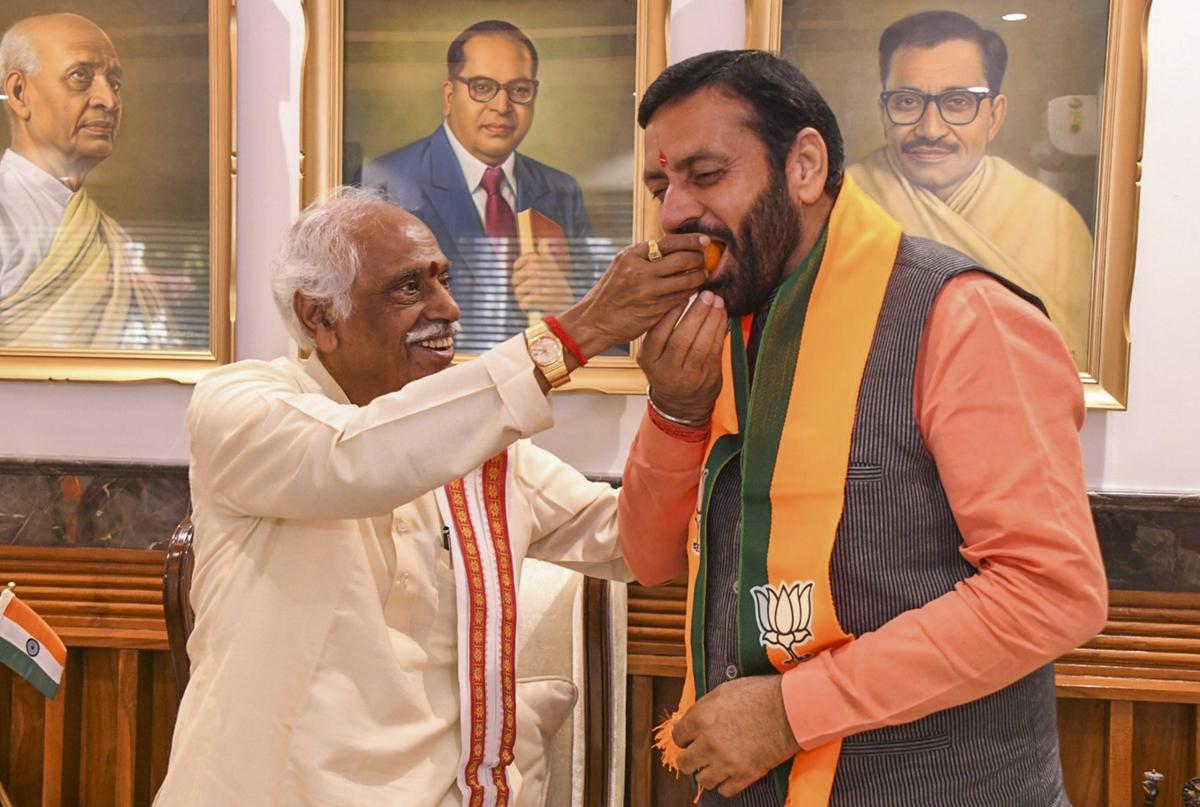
(476, 509)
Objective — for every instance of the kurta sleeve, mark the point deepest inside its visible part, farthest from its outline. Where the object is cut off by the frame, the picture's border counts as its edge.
(592, 528)
(267, 445)
(658, 495)
(998, 402)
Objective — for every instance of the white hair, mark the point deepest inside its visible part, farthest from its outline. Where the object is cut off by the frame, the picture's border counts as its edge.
(17, 52)
(320, 256)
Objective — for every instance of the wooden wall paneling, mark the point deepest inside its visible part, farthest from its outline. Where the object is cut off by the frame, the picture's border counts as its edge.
(1119, 757)
(667, 789)
(92, 597)
(70, 753)
(597, 708)
(639, 723)
(1195, 733)
(1085, 723)
(1161, 740)
(26, 746)
(162, 723)
(131, 723)
(54, 734)
(106, 740)
(98, 729)
(62, 777)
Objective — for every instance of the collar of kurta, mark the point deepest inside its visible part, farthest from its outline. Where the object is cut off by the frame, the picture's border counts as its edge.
(318, 372)
(791, 432)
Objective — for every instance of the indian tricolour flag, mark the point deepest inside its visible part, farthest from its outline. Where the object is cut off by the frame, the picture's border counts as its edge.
(29, 646)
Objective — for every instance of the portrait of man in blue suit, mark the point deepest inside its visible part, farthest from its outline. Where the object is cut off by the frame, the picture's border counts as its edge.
(469, 185)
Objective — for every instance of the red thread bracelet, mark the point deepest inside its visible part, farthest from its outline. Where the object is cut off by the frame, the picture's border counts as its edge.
(558, 330)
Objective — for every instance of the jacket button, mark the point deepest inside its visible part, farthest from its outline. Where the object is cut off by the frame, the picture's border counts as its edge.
(731, 672)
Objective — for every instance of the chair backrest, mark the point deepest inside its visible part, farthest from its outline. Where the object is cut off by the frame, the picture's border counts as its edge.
(177, 608)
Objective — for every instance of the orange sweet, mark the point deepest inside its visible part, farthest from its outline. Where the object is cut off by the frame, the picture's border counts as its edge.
(712, 253)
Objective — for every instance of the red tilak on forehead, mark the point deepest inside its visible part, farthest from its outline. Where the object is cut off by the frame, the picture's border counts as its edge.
(433, 269)
(662, 159)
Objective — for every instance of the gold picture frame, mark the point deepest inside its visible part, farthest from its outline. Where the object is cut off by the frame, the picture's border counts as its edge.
(324, 164)
(1104, 372)
(160, 55)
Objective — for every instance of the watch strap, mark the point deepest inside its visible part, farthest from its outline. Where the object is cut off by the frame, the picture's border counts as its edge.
(554, 371)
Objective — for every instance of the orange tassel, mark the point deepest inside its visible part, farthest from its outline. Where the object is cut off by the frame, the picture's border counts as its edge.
(664, 741)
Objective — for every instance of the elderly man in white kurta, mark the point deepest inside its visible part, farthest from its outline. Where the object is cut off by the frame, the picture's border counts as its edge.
(66, 276)
(362, 515)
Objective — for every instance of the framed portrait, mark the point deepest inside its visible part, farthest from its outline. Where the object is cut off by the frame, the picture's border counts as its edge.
(116, 189)
(1011, 131)
(508, 129)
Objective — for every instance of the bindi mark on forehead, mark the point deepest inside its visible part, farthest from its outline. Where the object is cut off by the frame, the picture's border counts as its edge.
(662, 159)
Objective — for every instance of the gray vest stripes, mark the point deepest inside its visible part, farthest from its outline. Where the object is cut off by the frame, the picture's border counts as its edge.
(998, 751)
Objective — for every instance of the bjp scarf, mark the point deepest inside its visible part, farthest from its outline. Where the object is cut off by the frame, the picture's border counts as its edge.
(792, 434)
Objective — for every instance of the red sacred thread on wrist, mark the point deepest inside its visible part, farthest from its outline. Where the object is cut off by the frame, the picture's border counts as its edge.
(558, 330)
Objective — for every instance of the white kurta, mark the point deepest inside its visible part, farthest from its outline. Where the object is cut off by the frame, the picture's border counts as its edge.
(324, 656)
(32, 204)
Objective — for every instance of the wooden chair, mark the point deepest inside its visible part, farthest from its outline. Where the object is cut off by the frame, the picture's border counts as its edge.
(177, 608)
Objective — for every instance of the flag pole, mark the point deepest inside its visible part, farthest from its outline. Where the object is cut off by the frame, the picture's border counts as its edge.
(4, 799)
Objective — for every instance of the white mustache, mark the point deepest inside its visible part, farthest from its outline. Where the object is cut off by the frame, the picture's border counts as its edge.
(436, 330)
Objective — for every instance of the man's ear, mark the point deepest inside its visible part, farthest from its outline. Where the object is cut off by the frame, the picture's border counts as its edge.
(807, 166)
(16, 89)
(996, 120)
(314, 316)
(447, 92)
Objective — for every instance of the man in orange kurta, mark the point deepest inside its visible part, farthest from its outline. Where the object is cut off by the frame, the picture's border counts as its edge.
(886, 401)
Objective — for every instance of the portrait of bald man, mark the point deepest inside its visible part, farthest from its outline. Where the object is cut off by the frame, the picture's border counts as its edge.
(67, 276)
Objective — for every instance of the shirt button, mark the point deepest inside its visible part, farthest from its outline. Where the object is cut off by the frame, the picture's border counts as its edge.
(731, 672)
(401, 527)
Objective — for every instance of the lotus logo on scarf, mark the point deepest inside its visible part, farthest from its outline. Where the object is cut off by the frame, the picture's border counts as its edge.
(783, 615)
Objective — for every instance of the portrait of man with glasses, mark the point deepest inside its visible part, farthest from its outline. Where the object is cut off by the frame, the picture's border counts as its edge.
(507, 222)
(941, 106)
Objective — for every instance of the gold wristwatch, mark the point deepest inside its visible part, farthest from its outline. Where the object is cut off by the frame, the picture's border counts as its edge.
(547, 353)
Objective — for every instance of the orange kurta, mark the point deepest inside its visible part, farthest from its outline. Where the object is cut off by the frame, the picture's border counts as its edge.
(1006, 445)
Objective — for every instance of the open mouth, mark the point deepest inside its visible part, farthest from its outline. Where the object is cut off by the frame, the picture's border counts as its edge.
(438, 344)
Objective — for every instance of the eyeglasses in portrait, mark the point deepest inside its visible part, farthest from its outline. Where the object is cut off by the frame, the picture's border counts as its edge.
(1009, 131)
(508, 129)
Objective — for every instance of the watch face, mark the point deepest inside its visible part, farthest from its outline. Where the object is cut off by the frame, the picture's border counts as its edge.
(545, 350)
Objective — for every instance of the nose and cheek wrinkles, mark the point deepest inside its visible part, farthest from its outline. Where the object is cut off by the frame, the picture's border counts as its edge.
(678, 206)
(104, 96)
(441, 306)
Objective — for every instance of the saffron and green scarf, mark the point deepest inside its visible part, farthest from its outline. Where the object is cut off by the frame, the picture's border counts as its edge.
(792, 433)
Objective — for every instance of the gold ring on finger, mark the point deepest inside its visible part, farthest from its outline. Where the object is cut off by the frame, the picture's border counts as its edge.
(653, 253)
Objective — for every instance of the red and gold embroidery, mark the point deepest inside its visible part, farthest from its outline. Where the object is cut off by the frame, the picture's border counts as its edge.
(478, 622)
(494, 474)
(491, 612)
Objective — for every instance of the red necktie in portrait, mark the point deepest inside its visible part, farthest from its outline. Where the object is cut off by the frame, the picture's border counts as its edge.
(499, 220)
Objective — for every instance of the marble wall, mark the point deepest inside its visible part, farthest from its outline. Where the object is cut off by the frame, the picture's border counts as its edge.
(130, 506)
